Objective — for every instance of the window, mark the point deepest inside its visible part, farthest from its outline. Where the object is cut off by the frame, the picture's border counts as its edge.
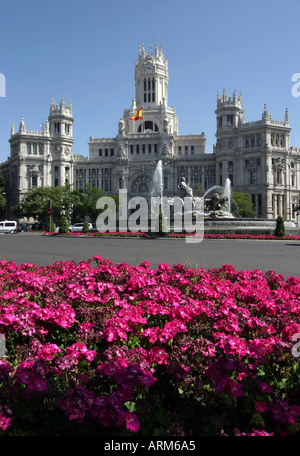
(258, 141)
(34, 181)
(29, 148)
(41, 149)
(165, 183)
(148, 125)
(137, 149)
(229, 119)
(279, 177)
(106, 152)
(143, 148)
(252, 142)
(131, 149)
(179, 149)
(100, 152)
(112, 152)
(293, 180)
(192, 150)
(155, 148)
(186, 149)
(149, 90)
(220, 121)
(56, 182)
(34, 149)
(253, 178)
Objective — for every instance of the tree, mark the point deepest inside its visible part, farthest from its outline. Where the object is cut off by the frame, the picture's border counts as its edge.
(84, 203)
(76, 204)
(37, 201)
(241, 205)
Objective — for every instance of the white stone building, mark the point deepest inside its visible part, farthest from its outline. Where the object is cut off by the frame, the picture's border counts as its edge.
(256, 156)
(40, 158)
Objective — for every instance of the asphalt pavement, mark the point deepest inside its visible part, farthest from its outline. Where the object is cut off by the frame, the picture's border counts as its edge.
(280, 256)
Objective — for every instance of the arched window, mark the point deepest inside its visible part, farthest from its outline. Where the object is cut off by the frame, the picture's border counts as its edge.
(148, 125)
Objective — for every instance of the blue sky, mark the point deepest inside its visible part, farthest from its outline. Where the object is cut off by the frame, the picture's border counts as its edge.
(85, 51)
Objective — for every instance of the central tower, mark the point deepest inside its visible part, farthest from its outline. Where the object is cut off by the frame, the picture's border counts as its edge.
(151, 78)
(151, 94)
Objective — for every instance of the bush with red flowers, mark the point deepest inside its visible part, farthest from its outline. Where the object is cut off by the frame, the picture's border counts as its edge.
(96, 348)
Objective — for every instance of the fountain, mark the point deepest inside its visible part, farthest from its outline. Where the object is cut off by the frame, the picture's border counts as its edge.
(219, 204)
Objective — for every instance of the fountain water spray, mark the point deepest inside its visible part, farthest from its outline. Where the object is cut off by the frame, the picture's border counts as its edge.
(157, 185)
(227, 192)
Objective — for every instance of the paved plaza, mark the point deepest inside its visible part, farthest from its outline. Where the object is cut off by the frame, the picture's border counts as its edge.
(280, 256)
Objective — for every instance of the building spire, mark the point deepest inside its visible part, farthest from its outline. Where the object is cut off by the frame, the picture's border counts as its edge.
(265, 115)
(286, 117)
(22, 125)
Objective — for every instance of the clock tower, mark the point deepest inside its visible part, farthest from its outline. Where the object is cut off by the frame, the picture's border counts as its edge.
(151, 78)
(151, 94)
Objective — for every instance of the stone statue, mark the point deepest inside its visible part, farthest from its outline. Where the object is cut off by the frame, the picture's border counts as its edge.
(187, 191)
(215, 203)
(185, 188)
(214, 206)
(121, 126)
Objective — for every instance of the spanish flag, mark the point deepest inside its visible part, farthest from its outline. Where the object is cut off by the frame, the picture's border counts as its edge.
(138, 115)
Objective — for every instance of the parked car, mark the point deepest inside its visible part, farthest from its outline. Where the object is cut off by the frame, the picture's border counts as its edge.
(23, 227)
(8, 226)
(78, 227)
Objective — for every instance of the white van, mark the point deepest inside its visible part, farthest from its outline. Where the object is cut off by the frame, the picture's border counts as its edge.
(8, 226)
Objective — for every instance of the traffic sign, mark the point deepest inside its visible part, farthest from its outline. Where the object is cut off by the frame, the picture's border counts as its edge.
(49, 211)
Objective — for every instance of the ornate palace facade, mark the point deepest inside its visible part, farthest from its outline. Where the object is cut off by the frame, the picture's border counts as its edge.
(256, 156)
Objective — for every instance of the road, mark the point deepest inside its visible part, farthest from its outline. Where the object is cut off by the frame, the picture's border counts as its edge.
(280, 256)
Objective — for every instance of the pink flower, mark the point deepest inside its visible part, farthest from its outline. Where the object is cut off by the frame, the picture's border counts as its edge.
(260, 406)
(152, 333)
(5, 421)
(289, 331)
(265, 387)
(79, 349)
(132, 422)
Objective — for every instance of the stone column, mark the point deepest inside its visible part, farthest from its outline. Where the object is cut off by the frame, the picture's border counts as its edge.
(256, 205)
(274, 205)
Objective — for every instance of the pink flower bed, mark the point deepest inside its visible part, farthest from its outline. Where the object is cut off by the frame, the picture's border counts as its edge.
(238, 236)
(183, 235)
(96, 348)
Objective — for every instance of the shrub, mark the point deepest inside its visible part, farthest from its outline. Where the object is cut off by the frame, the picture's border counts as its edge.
(86, 227)
(63, 225)
(280, 229)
